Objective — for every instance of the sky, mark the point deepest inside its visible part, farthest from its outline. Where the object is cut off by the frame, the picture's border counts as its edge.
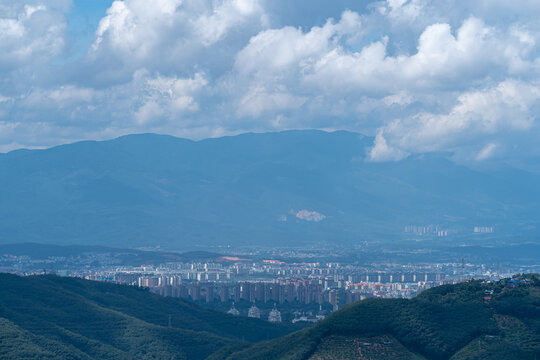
(419, 76)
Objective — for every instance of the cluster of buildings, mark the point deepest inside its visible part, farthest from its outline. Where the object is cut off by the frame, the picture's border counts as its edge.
(254, 312)
(275, 282)
(436, 230)
(483, 230)
(270, 289)
(281, 291)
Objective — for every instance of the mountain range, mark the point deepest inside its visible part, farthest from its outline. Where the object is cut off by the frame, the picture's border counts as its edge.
(294, 187)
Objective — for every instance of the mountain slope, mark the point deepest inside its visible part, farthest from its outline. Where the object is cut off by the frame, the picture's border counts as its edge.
(53, 317)
(448, 322)
(307, 186)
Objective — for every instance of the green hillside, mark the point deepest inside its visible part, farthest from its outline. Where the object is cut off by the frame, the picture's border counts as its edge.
(50, 317)
(453, 322)
(46, 317)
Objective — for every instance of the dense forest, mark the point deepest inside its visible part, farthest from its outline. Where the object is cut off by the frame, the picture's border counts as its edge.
(51, 317)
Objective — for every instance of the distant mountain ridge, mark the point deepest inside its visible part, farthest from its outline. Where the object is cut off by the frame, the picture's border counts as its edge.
(116, 256)
(295, 186)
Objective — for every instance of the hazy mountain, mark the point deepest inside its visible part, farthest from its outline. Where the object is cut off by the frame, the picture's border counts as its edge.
(70, 255)
(293, 186)
(49, 317)
(467, 321)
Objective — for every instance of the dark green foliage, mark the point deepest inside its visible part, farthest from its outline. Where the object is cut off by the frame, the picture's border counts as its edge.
(226, 351)
(371, 348)
(70, 318)
(48, 317)
(492, 349)
(440, 323)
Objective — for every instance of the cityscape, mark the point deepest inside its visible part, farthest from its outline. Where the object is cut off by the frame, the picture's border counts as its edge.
(269, 180)
(247, 283)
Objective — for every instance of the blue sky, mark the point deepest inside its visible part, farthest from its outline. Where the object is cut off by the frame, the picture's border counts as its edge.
(418, 75)
(82, 21)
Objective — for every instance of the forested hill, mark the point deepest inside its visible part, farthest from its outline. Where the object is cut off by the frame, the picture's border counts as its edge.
(50, 317)
(292, 187)
(472, 320)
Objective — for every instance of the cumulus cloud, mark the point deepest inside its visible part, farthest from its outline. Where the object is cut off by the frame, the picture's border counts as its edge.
(259, 100)
(322, 61)
(277, 50)
(417, 75)
(269, 71)
(381, 151)
(399, 98)
(477, 118)
(230, 14)
(153, 103)
(132, 28)
(30, 32)
(169, 97)
(169, 35)
(446, 63)
(442, 60)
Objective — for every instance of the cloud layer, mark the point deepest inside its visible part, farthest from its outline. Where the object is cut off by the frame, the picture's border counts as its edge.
(420, 76)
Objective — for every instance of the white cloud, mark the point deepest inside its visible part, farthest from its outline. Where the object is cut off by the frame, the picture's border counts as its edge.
(418, 75)
(381, 151)
(169, 35)
(214, 26)
(320, 62)
(403, 11)
(400, 98)
(133, 27)
(442, 59)
(322, 59)
(269, 71)
(67, 97)
(169, 97)
(147, 103)
(310, 215)
(30, 33)
(478, 117)
(487, 152)
(275, 52)
(259, 100)
(4, 98)
(446, 67)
